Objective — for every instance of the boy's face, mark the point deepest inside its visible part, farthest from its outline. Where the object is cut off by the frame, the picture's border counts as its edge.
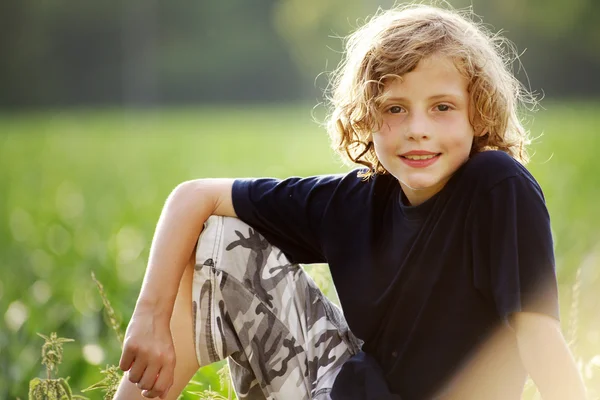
(426, 134)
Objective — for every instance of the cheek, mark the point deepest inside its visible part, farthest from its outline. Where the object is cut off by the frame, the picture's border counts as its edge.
(461, 137)
(384, 152)
(390, 125)
(383, 144)
(460, 148)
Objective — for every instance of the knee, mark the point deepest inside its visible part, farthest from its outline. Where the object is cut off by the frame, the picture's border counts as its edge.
(231, 246)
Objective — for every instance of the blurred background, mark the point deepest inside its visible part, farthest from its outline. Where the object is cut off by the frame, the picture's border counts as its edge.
(106, 106)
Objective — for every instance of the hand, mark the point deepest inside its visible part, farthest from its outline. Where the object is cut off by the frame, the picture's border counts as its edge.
(149, 355)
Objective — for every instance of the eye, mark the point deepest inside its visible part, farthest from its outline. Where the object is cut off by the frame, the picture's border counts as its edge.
(443, 107)
(395, 110)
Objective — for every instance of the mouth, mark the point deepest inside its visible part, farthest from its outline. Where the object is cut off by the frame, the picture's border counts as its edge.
(416, 157)
(420, 160)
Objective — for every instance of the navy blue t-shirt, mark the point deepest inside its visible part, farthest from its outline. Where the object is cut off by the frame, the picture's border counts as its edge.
(429, 289)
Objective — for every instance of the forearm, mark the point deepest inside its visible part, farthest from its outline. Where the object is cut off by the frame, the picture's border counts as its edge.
(547, 358)
(177, 230)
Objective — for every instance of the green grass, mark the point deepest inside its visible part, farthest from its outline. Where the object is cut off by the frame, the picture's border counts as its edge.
(81, 191)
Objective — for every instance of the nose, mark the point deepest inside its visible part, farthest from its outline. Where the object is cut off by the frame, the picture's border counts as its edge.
(417, 127)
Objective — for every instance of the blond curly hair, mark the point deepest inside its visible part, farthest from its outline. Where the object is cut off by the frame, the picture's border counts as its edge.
(391, 44)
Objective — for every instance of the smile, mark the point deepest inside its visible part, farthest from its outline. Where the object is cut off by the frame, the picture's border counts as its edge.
(420, 160)
(421, 157)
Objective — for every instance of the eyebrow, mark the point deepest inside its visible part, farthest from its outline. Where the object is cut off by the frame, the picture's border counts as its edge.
(431, 98)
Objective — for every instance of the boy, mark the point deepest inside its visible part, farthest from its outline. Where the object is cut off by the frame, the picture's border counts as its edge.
(440, 250)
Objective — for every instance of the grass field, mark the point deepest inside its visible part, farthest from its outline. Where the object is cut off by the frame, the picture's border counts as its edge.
(81, 191)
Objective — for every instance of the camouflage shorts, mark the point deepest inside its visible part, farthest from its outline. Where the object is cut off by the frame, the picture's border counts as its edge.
(283, 338)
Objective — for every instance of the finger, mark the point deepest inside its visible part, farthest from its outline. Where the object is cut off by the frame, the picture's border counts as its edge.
(164, 396)
(137, 371)
(127, 358)
(150, 393)
(163, 383)
(149, 378)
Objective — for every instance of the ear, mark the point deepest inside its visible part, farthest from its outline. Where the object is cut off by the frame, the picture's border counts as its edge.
(481, 131)
(479, 128)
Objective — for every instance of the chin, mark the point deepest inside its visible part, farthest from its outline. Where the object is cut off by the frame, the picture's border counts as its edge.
(420, 184)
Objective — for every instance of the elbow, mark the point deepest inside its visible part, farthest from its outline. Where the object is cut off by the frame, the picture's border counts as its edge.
(187, 196)
(186, 189)
(204, 196)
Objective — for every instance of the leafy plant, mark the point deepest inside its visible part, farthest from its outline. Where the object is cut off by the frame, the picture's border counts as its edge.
(110, 383)
(109, 311)
(51, 388)
(112, 373)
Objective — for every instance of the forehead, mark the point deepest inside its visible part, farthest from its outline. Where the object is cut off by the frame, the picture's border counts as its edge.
(433, 76)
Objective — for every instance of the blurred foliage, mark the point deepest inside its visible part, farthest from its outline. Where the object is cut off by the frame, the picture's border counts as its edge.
(82, 191)
(140, 51)
(67, 52)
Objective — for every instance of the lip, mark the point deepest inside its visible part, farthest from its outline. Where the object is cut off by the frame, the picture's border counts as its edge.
(418, 153)
(419, 163)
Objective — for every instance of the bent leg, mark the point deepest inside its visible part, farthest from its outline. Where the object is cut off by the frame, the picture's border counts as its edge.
(283, 337)
(186, 363)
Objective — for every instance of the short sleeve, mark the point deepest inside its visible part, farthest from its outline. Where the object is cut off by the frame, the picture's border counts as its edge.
(513, 255)
(287, 212)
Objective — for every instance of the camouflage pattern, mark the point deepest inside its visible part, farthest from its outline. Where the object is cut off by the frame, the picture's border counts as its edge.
(283, 338)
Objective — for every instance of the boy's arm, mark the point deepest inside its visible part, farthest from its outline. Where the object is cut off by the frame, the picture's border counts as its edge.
(186, 210)
(547, 357)
(148, 346)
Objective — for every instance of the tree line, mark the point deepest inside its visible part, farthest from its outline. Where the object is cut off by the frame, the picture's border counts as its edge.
(139, 52)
